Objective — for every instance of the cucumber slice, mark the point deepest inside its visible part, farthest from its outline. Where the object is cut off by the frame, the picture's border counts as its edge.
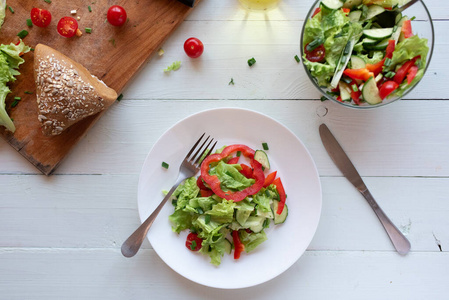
(357, 62)
(369, 42)
(382, 45)
(401, 21)
(345, 92)
(398, 18)
(255, 224)
(378, 77)
(354, 16)
(378, 33)
(279, 219)
(332, 4)
(370, 93)
(373, 11)
(352, 3)
(227, 246)
(262, 157)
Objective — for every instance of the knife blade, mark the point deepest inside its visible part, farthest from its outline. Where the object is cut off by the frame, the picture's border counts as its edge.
(345, 165)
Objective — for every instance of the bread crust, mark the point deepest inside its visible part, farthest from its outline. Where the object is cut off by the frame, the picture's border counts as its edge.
(66, 91)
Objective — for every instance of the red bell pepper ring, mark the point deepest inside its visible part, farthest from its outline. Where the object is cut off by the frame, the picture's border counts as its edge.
(412, 73)
(269, 179)
(407, 29)
(317, 10)
(282, 196)
(403, 71)
(233, 160)
(238, 246)
(363, 74)
(200, 184)
(214, 182)
(206, 193)
(246, 171)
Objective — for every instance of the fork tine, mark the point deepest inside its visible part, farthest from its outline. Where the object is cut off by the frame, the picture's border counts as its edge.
(211, 150)
(194, 146)
(192, 159)
(204, 151)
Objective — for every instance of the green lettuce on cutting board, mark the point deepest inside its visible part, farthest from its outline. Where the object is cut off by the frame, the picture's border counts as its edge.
(10, 61)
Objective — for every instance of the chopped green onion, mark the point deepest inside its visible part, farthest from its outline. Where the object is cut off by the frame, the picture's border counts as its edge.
(200, 210)
(267, 193)
(160, 52)
(165, 165)
(29, 22)
(112, 41)
(48, 1)
(89, 8)
(193, 245)
(28, 92)
(333, 93)
(266, 223)
(231, 82)
(251, 61)
(14, 104)
(22, 34)
(31, 49)
(265, 146)
(207, 219)
(387, 62)
(314, 44)
(346, 79)
(412, 18)
(11, 9)
(120, 97)
(239, 153)
(174, 202)
(17, 98)
(355, 88)
(390, 74)
(88, 30)
(297, 58)
(323, 98)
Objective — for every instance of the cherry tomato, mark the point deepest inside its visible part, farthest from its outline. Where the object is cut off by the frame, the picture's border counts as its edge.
(193, 47)
(316, 55)
(193, 242)
(116, 15)
(40, 17)
(67, 27)
(387, 88)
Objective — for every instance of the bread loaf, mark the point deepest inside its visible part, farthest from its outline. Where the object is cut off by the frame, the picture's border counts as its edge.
(66, 91)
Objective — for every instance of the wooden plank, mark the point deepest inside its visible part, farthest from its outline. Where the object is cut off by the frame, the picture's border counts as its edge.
(112, 54)
(36, 211)
(383, 142)
(276, 75)
(287, 10)
(102, 274)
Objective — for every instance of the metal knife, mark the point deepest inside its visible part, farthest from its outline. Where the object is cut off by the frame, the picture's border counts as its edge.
(342, 161)
(190, 3)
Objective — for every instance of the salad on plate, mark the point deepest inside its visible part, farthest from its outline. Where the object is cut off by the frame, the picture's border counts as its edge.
(359, 60)
(229, 206)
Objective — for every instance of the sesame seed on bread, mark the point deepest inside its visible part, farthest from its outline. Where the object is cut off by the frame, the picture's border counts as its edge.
(66, 91)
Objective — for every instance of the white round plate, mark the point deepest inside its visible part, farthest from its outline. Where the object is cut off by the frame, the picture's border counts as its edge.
(287, 154)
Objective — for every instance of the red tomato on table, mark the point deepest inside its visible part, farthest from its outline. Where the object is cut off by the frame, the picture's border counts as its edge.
(67, 27)
(193, 47)
(40, 17)
(116, 15)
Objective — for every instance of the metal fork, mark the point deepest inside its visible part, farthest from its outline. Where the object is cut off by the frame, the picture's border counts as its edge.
(189, 167)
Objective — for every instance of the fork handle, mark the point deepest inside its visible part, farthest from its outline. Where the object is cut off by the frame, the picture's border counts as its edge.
(132, 245)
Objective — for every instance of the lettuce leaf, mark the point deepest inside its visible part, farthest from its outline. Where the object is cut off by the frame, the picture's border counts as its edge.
(408, 49)
(222, 212)
(2, 12)
(322, 72)
(10, 61)
(230, 177)
(252, 240)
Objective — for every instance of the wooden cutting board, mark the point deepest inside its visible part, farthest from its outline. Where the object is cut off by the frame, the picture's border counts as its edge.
(113, 54)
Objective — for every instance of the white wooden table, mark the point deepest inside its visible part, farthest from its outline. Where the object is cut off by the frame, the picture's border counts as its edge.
(60, 236)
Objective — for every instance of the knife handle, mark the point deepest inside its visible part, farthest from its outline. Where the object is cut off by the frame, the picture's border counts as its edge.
(190, 3)
(399, 241)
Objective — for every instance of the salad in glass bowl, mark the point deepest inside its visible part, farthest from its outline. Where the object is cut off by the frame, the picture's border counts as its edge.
(357, 58)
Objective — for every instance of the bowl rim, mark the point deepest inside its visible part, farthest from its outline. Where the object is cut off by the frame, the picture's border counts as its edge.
(350, 105)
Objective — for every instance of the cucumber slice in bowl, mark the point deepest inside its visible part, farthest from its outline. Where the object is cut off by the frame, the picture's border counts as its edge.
(370, 92)
(378, 33)
(279, 219)
(357, 62)
(332, 4)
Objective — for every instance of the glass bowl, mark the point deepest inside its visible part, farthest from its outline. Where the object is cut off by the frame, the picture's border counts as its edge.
(422, 26)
